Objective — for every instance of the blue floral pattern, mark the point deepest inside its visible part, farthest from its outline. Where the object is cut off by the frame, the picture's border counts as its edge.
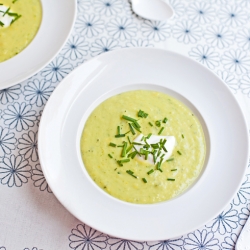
(215, 33)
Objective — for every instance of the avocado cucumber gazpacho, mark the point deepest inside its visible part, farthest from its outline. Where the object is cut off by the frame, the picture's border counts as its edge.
(143, 146)
(19, 23)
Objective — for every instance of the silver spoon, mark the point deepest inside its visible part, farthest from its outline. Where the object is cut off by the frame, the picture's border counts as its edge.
(157, 10)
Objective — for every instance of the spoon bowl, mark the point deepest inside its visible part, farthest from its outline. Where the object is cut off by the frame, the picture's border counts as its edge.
(157, 10)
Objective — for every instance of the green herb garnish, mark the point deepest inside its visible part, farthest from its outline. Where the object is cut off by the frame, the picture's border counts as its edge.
(158, 123)
(131, 173)
(161, 130)
(131, 129)
(165, 120)
(174, 169)
(169, 179)
(144, 180)
(124, 149)
(179, 152)
(112, 144)
(1, 24)
(182, 136)
(171, 159)
(150, 124)
(118, 130)
(150, 171)
(121, 135)
(142, 114)
(110, 155)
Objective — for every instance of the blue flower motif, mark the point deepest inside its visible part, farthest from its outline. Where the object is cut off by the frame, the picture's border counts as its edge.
(245, 85)
(57, 69)
(84, 237)
(75, 48)
(175, 244)
(120, 244)
(159, 31)
(139, 43)
(178, 7)
(243, 39)
(205, 55)
(38, 118)
(103, 45)
(2, 248)
(229, 79)
(236, 61)
(219, 36)
(243, 216)
(121, 28)
(243, 194)
(10, 94)
(201, 240)
(38, 92)
(89, 25)
(232, 16)
(14, 171)
(7, 142)
(244, 3)
(39, 179)
(187, 32)
(201, 12)
(28, 146)
(229, 242)
(219, 1)
(108, 7)
(225, 222)
(19, 116)
(83, 5)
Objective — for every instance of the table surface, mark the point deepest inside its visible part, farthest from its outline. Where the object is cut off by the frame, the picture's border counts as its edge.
(215, 33)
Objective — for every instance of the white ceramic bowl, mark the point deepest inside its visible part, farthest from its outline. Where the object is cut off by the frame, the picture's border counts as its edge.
(154, 69)
(57, 21)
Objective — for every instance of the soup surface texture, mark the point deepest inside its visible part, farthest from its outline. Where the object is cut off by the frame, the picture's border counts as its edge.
(14, 38)
(137, 180)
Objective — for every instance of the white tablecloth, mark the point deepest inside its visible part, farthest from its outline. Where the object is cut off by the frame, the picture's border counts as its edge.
(215, 33)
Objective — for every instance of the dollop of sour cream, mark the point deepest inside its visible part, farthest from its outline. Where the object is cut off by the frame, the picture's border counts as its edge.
(169, 146)
(5, 19)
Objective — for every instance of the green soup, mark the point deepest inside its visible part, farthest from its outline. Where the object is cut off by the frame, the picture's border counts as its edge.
(135, 181)
(14, 38)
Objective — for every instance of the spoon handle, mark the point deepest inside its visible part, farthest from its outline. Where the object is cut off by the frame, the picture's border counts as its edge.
(243, 242)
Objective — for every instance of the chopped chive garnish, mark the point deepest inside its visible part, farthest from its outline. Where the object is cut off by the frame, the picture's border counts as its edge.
(121, 135)
(14, 1)
(129, 139)
(161, 130)
(110, 155)
(164, 149)
(158, 123)
(165, 120)
(1, 24)
(150, 171)
(124, 161)
(6, 11)
(142, 138)
(131, 173)
(150, 124)
(182, 135)
(134, 125)
(112, 144)
(142, 114)
(15, 19)
(171, 159)
(118, 130)
(154, 157)
(179, 152)
(120, 164)
(144, 180)
(154, 145)
(162, 155)
(12, 14)
(129, 148)
(149, 135)
(169, 179)
(132, 155)
(127, 132)
(131, 129)
(174, 169)
(136, 151)
(124, 149)
(137, 143)
(128, 118)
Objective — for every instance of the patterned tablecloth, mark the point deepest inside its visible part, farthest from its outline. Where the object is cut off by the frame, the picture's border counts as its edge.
(215, 33)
